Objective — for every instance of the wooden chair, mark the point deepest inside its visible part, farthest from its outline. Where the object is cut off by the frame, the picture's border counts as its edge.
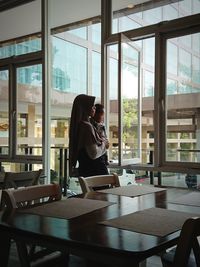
(27, 197)
(21, 179)
(30, 196)
(181, 255)
(98, 182)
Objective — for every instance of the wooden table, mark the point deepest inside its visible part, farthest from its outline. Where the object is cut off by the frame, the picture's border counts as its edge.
(83, 236)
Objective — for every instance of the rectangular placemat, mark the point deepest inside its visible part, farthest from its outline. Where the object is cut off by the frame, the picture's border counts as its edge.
(191, 199)
(68, 208)
(132, 190)
(153, 221)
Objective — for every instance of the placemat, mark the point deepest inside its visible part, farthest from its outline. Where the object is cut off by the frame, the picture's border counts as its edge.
(68, 208)
(153, 221)
(191, 199)
(132, 190)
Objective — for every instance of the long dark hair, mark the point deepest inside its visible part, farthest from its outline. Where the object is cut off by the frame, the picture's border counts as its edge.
(81, 109)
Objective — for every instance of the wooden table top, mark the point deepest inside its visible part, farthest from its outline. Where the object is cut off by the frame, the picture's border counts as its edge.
(84, 236)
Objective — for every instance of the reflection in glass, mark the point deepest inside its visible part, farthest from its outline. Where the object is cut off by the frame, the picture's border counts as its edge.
(113, 103)
(126, 17)
(196, 70)
(96, 33)
(149, 51)
(29, 110)
(69, 66)
(96, 74)
(172, 58)
(152, 16)
(4, 113)
(185, 61)
(182, 105)
(148, 83)
(130, 102)
(130, 109)
(23, 46)
(80, 32)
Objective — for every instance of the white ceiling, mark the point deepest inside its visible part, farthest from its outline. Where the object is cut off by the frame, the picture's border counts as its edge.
(20, 21)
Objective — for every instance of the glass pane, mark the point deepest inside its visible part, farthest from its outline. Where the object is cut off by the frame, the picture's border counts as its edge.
(69, 66)
(80, 32)
(29, 110)
(183, 180)
(147, 70)
(127, 15)
(113, 123)
(96, 74)
(21, 25)
(20, 46)
(172, 58)
(130, 103)
(96, 33)
(146, 123)
(149, 51)
(4, 112)
(20, 167)
(182, 104)
(75, 69)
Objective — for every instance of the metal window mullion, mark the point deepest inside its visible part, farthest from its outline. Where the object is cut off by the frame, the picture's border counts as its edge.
(13, 110)
(106, 31)
(159, 101)
(46, 88)
(120, 153)
(139, 107)
(89, 60)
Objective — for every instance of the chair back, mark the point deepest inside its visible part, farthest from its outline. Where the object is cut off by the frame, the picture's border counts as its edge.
(188, 241)
(98, 182)
(30, 196)
(21, 179)
(27, 197)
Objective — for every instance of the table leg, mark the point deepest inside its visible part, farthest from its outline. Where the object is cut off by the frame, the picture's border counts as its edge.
(5, 248)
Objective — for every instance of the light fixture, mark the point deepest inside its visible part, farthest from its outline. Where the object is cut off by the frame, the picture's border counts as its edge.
(130, 5)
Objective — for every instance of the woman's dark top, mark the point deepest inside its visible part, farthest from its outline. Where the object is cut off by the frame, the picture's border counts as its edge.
(90, 167)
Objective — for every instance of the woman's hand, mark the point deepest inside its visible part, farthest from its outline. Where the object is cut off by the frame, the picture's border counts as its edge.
(107, 144)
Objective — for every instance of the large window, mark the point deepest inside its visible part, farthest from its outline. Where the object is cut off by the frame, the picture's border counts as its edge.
(75, 54)
(69, 66)
(182, 92)
(169, 120)
(20, 46)
(129, 16)
(29, 110)
(21, 92)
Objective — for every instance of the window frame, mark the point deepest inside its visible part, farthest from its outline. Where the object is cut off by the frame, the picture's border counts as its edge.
(11, 65)
(163, 111)
(160, 31)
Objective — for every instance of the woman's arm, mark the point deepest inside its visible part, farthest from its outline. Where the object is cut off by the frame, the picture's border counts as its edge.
(93, 149)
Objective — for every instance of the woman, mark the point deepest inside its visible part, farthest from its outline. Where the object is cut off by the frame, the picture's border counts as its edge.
(85, 144)
(98, 122)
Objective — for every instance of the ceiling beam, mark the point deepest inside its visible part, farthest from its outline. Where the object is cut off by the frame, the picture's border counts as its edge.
(8, 4)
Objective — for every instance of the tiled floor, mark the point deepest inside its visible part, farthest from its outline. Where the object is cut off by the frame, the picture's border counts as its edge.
(77, 262)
